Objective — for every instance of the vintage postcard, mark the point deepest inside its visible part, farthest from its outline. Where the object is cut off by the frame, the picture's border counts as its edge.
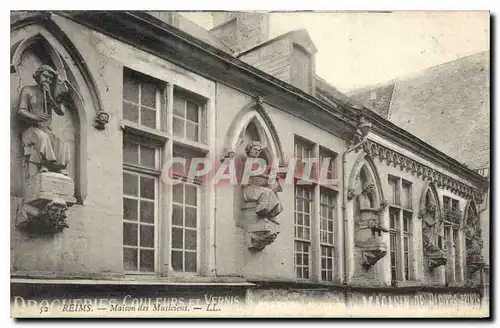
(249, 164)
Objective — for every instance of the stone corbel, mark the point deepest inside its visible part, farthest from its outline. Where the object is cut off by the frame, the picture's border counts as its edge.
(372, 251)
(260, 232)
(101, 120)
(48, 196)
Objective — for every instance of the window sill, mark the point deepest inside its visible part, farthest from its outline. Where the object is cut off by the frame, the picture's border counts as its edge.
(410, 284)
(197, 147)
(144, 131)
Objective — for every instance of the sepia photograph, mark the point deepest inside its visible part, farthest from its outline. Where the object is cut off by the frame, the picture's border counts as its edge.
(250, 164)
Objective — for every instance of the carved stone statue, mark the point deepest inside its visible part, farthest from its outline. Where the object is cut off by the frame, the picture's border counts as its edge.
(370, 215)
(261, 205)
(259, 191)
(368, 226)
(430, 234)
(36, 103)
(48, 190)
(473, 244)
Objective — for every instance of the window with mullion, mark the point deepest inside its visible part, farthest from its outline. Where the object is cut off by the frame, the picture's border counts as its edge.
(302, 231)
(327, 219)
(456, 247)
(303, 151)
(185, 222)
(141, 99)
(330, 172)
(407, 242)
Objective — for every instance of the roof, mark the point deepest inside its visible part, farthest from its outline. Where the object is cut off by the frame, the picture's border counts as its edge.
(446, 106)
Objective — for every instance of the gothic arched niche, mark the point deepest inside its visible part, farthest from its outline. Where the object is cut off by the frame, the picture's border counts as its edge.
(368, 203)
(33, 46)
(473, 239)
(432, 227)
(256, 203)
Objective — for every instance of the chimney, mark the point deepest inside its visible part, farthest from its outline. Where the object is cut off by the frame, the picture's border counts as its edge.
(241, 30)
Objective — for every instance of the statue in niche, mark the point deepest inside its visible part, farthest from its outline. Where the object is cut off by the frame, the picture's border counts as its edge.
(48, 190)
(260, 191)
(36, 103)
(261, 205)
(368, 227)
(474, 244)
(430, 235)
(366, 200)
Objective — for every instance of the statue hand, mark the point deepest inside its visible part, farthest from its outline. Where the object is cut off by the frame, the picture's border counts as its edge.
(43, 117)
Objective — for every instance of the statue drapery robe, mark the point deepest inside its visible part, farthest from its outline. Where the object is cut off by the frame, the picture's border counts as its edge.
(40, 144)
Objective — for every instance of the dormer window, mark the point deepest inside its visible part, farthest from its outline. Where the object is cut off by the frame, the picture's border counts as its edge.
(301, 68)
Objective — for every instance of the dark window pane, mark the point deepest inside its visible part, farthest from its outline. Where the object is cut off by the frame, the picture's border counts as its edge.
(130, 184)
(129, 209)
(147, 260)
(129, 234)
(148, 117)
(177, 238)
(148, 157)
(190, 217)
(179, 106)
(190, 261)
(147, 235)
(178, 127)
(130, 88)
(192, 111)
(190, 242)
(191, 194)
(130, 153)
(148, 95)
(147, 211)
(177, 215)
(147, 188)
(130, 112)
(130, 259)
(191, 131)
(178, 193)
(177, 261)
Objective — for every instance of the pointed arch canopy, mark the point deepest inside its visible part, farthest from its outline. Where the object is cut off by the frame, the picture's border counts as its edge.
(69, 63)
(364, 163)
(429, 187)
(254, 112)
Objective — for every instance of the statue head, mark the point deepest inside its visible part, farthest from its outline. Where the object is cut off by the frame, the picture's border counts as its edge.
(56, 210)
(45, 76)
(431, 208)
(368, 187)
(253, 149)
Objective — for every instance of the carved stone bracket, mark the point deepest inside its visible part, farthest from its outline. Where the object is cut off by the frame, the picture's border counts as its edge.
(260, 232)
(436, 262)
(48, 196)
(101, 120)
(372, 251)
(351, 193)
(426, 173)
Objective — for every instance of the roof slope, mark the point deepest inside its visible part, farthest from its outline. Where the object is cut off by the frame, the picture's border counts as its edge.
(446, 106)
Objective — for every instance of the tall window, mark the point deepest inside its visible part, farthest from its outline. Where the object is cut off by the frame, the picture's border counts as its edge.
(142, 99)
(327, 220)
(400, 229)
(303, 210)
(452, 216)
(185, 227)
(154, 241)
(140, 202)
(315, 216)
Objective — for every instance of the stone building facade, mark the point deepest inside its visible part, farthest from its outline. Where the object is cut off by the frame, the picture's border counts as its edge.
(139, 88)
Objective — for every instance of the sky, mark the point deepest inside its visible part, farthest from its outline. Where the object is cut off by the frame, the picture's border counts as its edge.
(357, 49)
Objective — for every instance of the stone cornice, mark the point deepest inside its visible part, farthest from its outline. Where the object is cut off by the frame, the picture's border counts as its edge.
(441, 180)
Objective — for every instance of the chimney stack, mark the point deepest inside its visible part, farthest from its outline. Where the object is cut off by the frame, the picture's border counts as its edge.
(241, 30)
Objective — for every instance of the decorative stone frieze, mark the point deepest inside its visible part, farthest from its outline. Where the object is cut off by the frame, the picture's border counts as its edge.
(441, 180)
